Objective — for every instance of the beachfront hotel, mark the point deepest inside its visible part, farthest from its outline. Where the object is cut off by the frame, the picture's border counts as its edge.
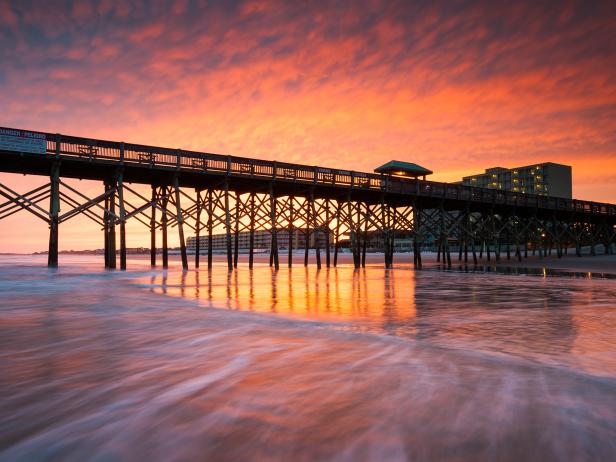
(262, 240)
(546, 179)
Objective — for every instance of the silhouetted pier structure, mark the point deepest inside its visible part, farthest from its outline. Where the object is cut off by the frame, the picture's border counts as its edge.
(241, 194)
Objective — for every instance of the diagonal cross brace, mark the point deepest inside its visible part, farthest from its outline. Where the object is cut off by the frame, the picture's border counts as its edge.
(24, 202)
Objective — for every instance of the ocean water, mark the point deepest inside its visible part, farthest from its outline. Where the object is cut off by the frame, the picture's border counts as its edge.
(294, 365)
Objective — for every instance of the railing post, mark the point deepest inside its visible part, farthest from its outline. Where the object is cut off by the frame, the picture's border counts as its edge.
(58, 145)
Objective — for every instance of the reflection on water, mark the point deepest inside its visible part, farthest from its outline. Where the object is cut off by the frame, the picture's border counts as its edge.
(302, 364)
(550, 319)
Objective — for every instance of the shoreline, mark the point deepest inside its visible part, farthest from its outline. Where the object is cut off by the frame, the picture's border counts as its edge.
(600, 264)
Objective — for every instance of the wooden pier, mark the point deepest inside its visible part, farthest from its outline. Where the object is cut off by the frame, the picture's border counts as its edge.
(202, 192)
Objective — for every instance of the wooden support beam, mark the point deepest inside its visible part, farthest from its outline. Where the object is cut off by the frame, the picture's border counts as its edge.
(198, 228)
(315, 227)
(54, 211)
(236, 230)
(15, 206)
(384, 232)
(24, 202)
(106, 227)
(29, 196)
(416, 235)
(391, 212)
(327, 233)
(444, 238)
(228, 227)
(291, 230)
(274, 249)
(120, 186)
(460, 241)
(308, 221)
(180, 222)
(251, 241)
(365, 236)
(153, 228)
(359, 234)
(352, 233)
(337, 232)
(467, 235)
(111, 224)
(496, 237)
(473, 240)
(164, 222)
(592, 241)
(210, 221)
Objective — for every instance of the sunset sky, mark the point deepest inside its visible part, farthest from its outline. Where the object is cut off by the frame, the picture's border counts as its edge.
(454, 86)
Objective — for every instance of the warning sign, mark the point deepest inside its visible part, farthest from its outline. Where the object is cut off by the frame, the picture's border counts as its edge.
(22, 141)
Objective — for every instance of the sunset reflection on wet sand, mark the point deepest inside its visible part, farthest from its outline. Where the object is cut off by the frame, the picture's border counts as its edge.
(339, 364)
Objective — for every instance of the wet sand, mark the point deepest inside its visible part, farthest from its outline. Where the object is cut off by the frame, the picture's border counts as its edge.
(600, 264)
(302, 364)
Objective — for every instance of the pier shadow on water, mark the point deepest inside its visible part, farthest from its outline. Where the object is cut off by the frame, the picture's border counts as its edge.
(300, 364)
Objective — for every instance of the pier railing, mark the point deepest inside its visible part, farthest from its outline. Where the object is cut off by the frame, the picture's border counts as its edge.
(89, 149)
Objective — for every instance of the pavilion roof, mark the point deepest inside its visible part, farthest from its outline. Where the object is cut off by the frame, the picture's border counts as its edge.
(397, 167)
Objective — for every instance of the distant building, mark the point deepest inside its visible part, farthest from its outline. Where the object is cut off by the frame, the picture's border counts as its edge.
(262, 240)
(375, 241)
(547, 179)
